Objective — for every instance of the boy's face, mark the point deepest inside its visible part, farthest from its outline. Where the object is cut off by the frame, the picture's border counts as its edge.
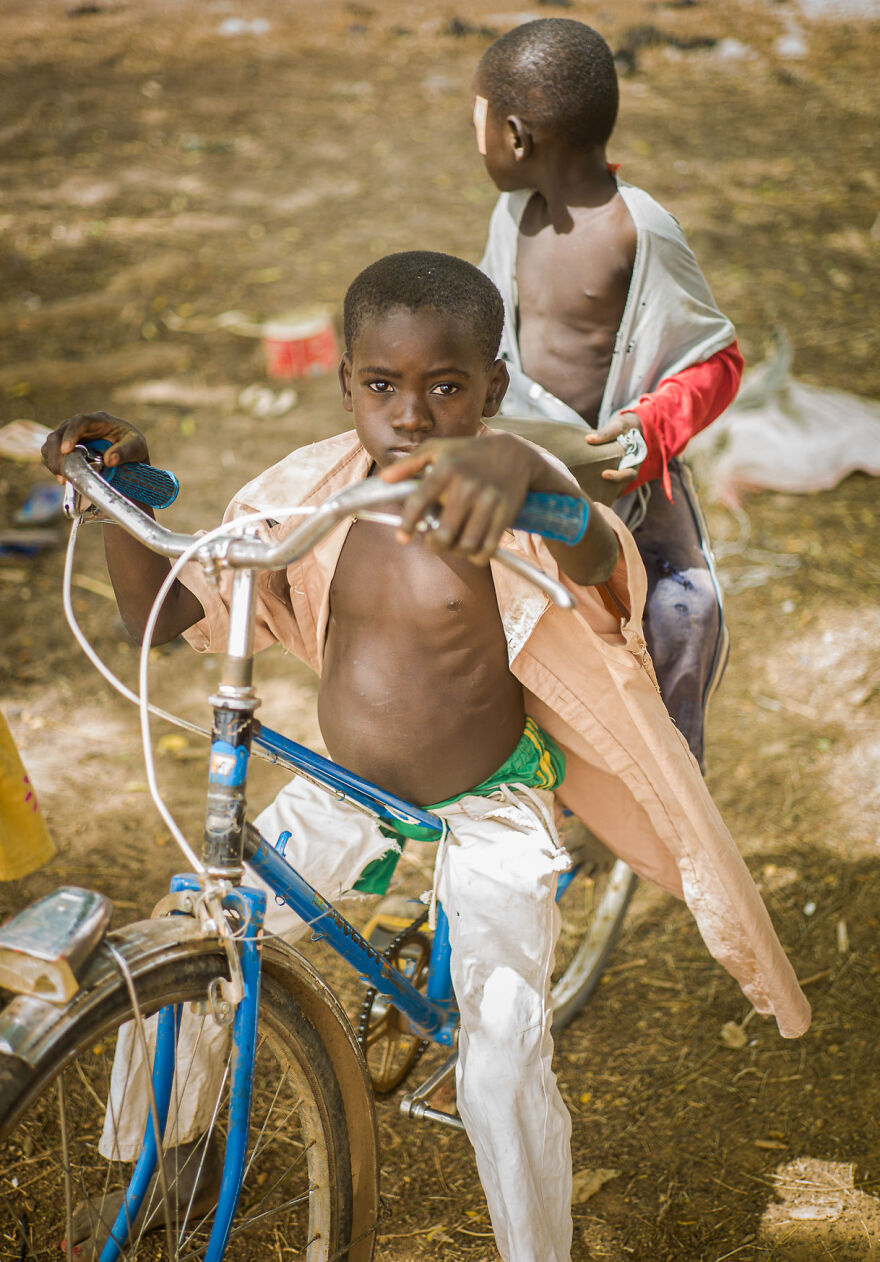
(413, 375)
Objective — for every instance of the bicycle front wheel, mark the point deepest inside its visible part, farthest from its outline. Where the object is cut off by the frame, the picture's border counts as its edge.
(55, 1184)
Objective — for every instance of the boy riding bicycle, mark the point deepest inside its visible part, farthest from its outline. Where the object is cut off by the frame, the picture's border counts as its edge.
(450, 682)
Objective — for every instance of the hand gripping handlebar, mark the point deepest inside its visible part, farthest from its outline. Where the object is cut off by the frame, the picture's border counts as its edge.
(556, 516)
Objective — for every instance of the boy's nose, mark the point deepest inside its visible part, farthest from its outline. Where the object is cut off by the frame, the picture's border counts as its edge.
(414, 415)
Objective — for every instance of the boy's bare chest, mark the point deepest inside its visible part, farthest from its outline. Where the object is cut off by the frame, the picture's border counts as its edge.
(378, 580)
(576, 277)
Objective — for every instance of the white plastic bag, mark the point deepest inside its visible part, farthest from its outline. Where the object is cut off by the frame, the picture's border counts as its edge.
(780, 434)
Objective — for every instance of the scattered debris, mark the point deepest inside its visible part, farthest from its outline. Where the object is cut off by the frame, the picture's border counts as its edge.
(176, 745)
(733, 1033)
(780, 434)
(42, 505)
(792, 46)
(586, 1183)
(637, 38)
(182, 394)
(458, 26)
(23, 440)
(300, 343)
(94, 585)
(261, 402)
(730, 50)
(818, 1211)
(234, 321)
(27, 542)
(244, 26)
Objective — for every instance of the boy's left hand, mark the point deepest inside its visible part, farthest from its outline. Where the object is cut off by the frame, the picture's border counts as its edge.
(619, 424)
(477, 484)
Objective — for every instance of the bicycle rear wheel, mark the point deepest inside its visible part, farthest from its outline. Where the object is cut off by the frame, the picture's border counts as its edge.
(296, 1200)
(593, 910)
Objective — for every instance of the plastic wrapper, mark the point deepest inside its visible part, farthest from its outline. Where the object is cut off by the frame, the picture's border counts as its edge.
(780, 434)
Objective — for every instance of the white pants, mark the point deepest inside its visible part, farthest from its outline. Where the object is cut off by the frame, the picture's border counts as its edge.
(496, 874)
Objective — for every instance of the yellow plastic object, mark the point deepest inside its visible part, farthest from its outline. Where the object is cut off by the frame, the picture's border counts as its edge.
(25, 844)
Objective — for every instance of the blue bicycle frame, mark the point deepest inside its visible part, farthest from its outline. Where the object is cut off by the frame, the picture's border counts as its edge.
(430, 1014)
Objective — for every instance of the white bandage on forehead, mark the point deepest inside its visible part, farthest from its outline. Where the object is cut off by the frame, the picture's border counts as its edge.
(481, 111)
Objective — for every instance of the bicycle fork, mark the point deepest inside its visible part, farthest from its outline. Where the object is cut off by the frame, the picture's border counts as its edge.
(238, 1000)
(251, 905)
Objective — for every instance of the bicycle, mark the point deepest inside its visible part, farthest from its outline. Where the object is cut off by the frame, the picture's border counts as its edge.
(294, 1110)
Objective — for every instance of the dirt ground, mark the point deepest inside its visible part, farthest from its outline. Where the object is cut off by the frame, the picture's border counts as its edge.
(159, 171)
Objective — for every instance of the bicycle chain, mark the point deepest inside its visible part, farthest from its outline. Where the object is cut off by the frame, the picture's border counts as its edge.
(372, 991)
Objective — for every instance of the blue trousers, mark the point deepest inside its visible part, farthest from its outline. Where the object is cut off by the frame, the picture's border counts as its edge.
(684, 623)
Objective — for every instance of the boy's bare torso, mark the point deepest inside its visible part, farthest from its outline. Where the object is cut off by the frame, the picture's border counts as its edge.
(416, 693)
(573, 284)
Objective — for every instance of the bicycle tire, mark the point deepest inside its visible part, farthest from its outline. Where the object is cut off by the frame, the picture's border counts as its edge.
(593, 911)
(298, 1175)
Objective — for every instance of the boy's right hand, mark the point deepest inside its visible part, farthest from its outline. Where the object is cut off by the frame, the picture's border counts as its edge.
(128, 444)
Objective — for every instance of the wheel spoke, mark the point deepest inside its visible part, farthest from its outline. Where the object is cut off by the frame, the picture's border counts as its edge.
(296, 1186)
(65, 1160)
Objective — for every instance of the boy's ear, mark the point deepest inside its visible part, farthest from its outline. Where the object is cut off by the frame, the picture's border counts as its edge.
(520, 137)
(499, 380)
(345, 382)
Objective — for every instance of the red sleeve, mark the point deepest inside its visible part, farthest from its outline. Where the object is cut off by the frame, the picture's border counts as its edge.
(683, 405)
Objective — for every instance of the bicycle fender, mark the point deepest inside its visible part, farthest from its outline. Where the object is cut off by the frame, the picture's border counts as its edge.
(29, 1026)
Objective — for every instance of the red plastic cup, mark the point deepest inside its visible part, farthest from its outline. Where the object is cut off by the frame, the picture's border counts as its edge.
(301, 344)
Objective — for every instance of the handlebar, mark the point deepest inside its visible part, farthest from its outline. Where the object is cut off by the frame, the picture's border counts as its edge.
(555, 513)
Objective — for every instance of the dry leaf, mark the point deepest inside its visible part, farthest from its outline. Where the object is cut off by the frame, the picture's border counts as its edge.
(770, 1144)
(733, 1035)
(93, 585)
(172, 743)
(586, 1183)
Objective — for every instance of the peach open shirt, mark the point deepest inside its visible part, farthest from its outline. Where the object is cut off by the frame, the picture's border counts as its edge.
(588, 681)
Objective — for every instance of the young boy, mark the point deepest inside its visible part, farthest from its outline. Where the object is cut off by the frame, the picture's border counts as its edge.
(609, 322)
(436, 670)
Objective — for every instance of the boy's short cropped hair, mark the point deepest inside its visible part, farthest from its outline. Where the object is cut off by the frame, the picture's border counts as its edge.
(415, 279)
(556, 73)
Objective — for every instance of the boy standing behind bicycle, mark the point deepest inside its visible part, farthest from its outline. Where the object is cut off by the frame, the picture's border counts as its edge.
(609, 323)
(451, 682)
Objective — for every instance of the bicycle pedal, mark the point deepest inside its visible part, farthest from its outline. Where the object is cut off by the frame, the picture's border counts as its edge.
(439, 1089)
(44, 946)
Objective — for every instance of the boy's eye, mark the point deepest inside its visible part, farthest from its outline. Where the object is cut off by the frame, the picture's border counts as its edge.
(446, 388)
(380, 387)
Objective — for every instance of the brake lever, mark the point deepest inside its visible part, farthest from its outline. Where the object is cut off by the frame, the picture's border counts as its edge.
(72, 503)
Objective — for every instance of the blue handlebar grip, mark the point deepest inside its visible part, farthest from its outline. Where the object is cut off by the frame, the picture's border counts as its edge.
(562, 517)
(140, 482)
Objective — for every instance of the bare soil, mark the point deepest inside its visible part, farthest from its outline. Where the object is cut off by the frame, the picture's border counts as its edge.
(158, 173)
